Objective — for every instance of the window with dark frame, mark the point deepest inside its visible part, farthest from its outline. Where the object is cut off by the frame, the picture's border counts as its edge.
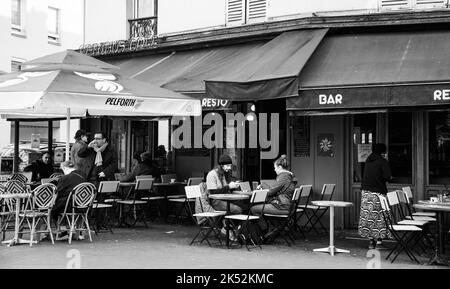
(400, 147)
(439, 147)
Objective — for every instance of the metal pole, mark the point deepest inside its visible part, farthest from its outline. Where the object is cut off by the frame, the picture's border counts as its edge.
(16, 147)
(67, 134)
(50, 138)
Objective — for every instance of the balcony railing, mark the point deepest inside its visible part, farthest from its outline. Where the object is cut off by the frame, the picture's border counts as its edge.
(143, 27)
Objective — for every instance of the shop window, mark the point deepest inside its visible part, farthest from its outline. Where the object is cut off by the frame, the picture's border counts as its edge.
(439, 147)
(364, 134)
(400, 146)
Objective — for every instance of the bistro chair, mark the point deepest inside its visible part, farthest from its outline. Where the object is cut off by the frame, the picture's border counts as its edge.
(194, 181)
(105, 189)
(267, 183)
(20, 177)
(303, 201)
(76, 210)
(184, 203)
(410, 198)
(408, 210)
(7, 212)
(165, 178)
(402, 234)
(143, 177)
(207, 221)
(136, 206)
(283, 224)
(151, 197)
(56, 176)
(246, 231)
(316, 212)
(39, 211)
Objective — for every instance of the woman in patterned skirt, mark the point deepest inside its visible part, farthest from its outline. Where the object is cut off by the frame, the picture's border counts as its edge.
(376, 174)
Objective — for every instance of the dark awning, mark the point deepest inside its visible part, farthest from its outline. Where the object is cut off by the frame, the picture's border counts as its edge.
(376, 70)
(271, 71)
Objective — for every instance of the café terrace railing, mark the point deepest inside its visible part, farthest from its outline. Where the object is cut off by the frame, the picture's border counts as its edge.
(143, 27)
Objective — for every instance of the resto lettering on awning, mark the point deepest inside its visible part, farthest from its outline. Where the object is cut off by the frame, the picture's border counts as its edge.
(214, 103)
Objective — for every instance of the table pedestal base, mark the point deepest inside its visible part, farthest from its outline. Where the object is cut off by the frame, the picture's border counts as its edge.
(14, 242)
(331, 250)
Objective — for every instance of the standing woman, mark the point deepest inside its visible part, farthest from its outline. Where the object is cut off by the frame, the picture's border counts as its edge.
(376, 174)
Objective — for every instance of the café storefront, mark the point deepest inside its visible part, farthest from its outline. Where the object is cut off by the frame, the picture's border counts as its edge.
(358, 89)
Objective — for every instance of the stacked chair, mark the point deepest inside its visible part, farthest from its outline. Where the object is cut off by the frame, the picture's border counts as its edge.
(405, 235)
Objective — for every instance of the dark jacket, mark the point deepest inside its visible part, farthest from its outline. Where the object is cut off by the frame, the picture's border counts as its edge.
(139, 170)
(376, 174)
(108, 167)
(81, 162)
(280, 193)
(64, 187)
(40, 170)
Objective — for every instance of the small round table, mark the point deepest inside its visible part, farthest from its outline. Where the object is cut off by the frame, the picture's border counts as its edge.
(18, 197)
(439, 246)
(331, 248)
(228, 198)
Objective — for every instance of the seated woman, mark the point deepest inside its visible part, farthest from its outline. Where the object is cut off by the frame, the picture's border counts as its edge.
(280, 194)
(143, 166)
(218, 181)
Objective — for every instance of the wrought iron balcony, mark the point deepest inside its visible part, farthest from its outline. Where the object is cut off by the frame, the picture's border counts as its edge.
(143, 27)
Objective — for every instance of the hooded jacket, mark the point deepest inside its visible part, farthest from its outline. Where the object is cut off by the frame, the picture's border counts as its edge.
(280, 194)
(376, 174)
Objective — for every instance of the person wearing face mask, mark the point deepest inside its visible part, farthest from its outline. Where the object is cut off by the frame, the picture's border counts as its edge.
(41, 169)
(218, 181)
(376, 174)
(101, 159)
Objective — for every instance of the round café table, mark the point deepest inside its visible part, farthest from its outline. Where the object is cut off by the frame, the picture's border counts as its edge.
(228, 198)
(439, 249)
(331, 248)
(18, 197)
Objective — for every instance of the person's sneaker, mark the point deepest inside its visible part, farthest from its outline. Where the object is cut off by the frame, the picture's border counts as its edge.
(372, 244)
(80, 237)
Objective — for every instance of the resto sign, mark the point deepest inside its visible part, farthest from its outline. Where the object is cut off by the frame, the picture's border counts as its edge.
(214, 103)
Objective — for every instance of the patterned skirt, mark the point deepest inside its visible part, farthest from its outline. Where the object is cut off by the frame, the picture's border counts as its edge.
(371, 220)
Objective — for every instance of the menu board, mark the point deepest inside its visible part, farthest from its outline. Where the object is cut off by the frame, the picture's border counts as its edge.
(300, 125)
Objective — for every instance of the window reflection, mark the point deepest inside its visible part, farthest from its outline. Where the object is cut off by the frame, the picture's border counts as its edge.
(439, 147)
(364, 128)
(400, 147)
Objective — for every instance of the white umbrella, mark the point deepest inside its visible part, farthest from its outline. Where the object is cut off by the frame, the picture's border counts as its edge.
(55, 90)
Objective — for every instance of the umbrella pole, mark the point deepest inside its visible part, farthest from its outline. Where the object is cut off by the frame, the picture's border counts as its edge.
(67, 133)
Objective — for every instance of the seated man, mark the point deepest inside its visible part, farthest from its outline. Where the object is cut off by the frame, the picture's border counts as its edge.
(144, 166)
(41, 169)
(73, 176)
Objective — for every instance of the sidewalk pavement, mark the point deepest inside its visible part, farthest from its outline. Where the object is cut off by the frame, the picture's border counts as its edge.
(166, 246)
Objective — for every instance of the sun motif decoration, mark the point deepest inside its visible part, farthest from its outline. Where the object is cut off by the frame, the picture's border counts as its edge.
(325, 145)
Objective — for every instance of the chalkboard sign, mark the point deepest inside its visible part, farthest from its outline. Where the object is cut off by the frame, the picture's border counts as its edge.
(300, 125)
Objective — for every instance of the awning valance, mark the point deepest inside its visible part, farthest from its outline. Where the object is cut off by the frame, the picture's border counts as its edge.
(271, 71)
(376, 70)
